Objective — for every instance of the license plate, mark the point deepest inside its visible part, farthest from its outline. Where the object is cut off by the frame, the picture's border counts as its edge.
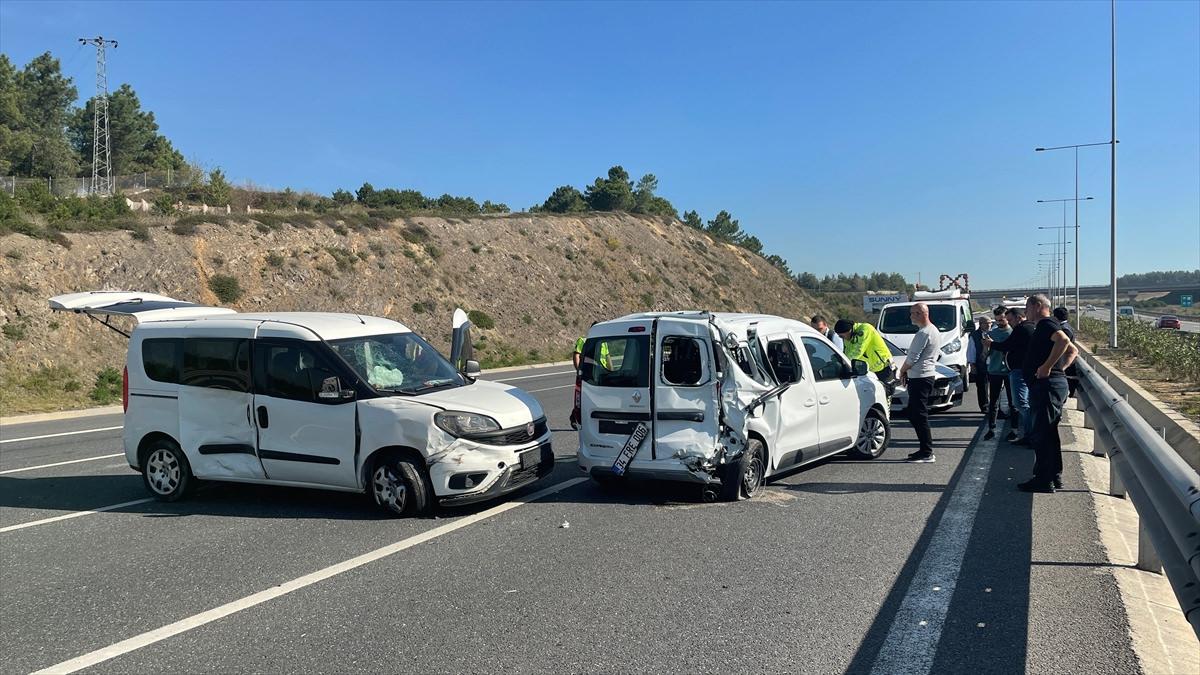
(531, 458)
(640, 432)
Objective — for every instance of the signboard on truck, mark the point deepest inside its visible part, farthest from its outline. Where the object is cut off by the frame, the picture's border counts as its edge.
(874, 303)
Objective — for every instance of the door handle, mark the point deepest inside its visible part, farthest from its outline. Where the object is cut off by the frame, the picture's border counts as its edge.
(808, 402)
(262, 417)
(824, 400)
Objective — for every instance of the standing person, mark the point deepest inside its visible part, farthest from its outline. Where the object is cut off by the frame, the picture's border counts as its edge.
(1063, 317)
(1014, 349)
(1000, 314)
(861, 342)
(918, 371)
(577, 361)
(823, 328)
(1050, 352)
(997, 374)
(977, 357)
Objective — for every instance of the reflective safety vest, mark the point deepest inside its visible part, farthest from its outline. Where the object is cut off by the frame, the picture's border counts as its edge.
(864, 343)
(579, 345)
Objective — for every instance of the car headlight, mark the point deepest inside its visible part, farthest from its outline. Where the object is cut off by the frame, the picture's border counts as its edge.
(459, 424)
(953, 346)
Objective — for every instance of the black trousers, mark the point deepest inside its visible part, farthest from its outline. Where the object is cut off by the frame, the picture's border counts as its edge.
(1046, 400)
(981, 385)
(920, 391)
(995, 383)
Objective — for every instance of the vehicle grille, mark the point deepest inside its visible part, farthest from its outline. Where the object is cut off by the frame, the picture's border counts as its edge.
(513, 436)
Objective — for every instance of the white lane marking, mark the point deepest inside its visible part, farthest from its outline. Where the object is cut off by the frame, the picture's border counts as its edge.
(65, 433)
(76, 514)
(530, 377)
(534, 391)
(184, 625)
(69, 461)
(912, 640)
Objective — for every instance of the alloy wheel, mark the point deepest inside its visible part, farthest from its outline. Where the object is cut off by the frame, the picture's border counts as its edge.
(871, 436)
(163, 471)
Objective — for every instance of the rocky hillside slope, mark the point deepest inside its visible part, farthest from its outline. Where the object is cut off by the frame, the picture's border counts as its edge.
(535, 282)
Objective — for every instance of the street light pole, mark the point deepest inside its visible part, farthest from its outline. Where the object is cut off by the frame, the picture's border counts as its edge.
(1112, 213)
(1075, 199)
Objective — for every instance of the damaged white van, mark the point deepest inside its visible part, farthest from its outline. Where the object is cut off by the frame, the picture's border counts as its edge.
(318, 400)
(721, 400)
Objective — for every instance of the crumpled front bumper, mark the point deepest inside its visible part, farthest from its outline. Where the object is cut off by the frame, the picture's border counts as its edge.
(512, 477)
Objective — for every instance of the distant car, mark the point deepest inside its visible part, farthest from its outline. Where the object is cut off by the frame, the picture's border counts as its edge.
(1091, 308)
(1168, 321)
(1126, 311)
(947, 385)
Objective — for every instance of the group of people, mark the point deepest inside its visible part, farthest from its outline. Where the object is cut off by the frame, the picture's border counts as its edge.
(1027, 354)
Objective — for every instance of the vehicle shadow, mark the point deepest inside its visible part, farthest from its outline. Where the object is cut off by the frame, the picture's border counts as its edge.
(993, 581)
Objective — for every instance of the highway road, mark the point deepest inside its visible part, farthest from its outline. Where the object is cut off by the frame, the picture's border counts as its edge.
(1103, 313)
(845, 566)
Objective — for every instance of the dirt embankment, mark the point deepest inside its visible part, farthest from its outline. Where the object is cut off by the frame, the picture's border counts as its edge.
(540, 279)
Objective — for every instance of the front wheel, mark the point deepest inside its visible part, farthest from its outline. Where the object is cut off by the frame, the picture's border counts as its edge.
(166, 472)
(873, 436)
(745, 478)
(399, 486)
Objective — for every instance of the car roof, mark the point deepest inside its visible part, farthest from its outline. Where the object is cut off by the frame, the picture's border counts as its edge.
(730, 319)
(306, 325)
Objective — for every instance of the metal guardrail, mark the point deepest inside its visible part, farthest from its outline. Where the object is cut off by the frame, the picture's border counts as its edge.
(1164, 489)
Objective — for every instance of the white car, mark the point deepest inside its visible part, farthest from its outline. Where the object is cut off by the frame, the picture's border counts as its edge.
(947, 384)
(949, 311)
(318, 400)
(721, 400)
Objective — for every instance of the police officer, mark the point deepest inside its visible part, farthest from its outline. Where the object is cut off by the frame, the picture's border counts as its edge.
(861, 342)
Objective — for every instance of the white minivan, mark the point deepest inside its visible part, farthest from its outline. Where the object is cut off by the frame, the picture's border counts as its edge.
(721, 400)
(318, 400)
(949, 311)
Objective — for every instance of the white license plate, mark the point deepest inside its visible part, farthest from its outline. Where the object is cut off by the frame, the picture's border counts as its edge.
(640, 432)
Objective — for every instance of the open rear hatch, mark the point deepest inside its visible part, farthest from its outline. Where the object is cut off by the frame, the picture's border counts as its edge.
(143, 307)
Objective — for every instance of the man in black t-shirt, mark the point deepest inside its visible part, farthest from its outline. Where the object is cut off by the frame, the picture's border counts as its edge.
(1049, 353)
(1021, 424)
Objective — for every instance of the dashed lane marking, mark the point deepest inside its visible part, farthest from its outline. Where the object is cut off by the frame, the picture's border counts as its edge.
(75, 514)
(64, 433)
(69, 461)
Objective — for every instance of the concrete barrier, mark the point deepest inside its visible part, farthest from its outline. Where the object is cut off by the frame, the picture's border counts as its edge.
(1181, 434)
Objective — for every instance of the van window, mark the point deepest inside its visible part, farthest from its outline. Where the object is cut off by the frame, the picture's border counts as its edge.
(896, 319)
(618, 361)
(398, 362)
(781, 354)
(217, 363)
(290, 371)
(162, 359)
(682, 361)
(826, 364)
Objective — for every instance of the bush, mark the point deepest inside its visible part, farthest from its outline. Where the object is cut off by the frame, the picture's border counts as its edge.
(425, 306)
(274, 259)
(108, 386)
(481, 319)
(14, 331)
(226, 288)
(164, 205)
(433, 251)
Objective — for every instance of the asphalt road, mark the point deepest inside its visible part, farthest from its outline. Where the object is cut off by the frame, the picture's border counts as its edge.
(845, 566)
(1186, 325)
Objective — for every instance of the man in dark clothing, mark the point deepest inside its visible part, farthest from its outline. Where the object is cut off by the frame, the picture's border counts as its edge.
(1060, 313)
(1014, 349)
(977, 357)
(1049, 352)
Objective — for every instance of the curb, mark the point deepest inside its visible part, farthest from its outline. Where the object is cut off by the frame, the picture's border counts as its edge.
(12, 420)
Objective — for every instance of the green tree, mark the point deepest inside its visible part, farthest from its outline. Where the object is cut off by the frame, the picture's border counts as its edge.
(565, 199)
(16, 140)
(614, 193)
(36, 134)
(779, 263)
(218, 190)
(645, 201)
(365, 194)
(135, 143)
(692, 219)
(725, 228)
(342, 197)
(491, 207)
(808, 280)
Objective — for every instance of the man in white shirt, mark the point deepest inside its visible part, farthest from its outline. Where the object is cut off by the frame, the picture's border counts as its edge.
(918, 372)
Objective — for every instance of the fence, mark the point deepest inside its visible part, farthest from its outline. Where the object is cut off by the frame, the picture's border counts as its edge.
(1164, 489)
(128, 183)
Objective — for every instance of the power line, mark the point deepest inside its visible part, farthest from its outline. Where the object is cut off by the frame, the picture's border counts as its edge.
(102, 179)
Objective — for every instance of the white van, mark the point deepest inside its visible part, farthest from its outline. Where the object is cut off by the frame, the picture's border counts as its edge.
(722, 400)
(949, 310)
(1126, 310)
(318, 400)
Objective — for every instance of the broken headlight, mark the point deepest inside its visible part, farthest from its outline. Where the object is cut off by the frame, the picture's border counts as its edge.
(457, 423)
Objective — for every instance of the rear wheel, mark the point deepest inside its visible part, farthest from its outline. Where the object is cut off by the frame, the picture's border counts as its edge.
(399, 486)
(166, 472)
(745, 478)
(873, 436)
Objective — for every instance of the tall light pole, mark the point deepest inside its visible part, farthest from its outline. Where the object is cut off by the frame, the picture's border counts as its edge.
(1112, 213)
(1075, 199)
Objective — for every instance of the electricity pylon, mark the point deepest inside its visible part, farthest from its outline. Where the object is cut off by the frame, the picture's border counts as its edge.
(102, 178)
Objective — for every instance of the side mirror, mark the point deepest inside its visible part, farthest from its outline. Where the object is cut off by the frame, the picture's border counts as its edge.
(331, 390)
(859, 368)
(472, 369)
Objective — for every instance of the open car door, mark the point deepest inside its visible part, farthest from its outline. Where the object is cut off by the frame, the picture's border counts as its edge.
(143, 307)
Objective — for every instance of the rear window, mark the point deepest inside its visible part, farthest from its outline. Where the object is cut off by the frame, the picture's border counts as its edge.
(162, 359)
(897, 320)
(616, 361)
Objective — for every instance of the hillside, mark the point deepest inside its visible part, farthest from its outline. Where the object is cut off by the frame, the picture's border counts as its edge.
(541, 280)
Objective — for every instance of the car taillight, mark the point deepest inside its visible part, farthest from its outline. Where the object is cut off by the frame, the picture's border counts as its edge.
(125, 389)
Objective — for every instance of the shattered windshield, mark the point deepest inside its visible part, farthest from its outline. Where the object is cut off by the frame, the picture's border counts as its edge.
(398, 362)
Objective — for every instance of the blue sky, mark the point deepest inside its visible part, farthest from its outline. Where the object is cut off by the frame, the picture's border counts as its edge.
(849, 137)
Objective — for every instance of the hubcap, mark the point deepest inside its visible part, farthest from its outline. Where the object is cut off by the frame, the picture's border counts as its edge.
(163, 471)
(753, 476)
(389, 490)
(871, 436)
